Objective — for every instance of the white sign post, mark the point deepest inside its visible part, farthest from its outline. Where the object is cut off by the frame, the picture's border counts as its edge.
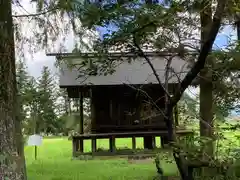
(35, 140)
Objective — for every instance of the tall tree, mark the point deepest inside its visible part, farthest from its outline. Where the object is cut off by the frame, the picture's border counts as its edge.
(32, 124)
(158, 24)
(206, 84)
(47, 100)
(8, 97)
(22, 83)
(164, 26)
(217, 95)
(63, 105)
(47, 30)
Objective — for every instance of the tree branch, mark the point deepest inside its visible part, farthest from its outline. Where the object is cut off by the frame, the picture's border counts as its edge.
(206, 48)
(142, 54)
(34, 15)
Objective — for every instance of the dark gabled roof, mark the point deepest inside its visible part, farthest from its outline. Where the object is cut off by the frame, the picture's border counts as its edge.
(136, 72)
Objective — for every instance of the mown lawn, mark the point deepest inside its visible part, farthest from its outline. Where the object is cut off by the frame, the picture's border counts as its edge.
(54, 163)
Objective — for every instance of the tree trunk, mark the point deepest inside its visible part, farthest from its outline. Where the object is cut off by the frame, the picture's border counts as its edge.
(206, 87)
(18, 132)
(206, 98)
(20, 146)
(11, 164)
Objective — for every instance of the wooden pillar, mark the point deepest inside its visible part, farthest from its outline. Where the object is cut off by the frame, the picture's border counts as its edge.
(148, 142)
(75, 146)
(81, 113)
(112, 144)
(81, 145)
(164, 141)
(94, 145)
(111, 109)
(93, 113)
(133, 143)
(153, 142)
(81, 128)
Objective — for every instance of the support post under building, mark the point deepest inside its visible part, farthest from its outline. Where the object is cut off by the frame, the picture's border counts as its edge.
(81, 128)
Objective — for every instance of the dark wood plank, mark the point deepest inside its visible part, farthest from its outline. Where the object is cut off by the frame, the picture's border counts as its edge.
(81, 129)
(130, 134)
(112, 144)
(74, 147)
(147, 142)
(153, 142)
(93, 114)
(130, 126)
(94, 145)
(81, 145)
(164, 141)
(133, 143)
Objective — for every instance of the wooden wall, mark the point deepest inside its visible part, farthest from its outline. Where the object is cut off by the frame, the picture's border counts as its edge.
(119, 109)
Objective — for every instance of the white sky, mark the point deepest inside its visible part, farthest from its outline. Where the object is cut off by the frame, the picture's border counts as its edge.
(40, 59)
(36, 62)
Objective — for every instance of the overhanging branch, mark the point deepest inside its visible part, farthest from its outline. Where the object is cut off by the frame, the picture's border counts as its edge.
(206, 48)
(142, 54)
(35, 14)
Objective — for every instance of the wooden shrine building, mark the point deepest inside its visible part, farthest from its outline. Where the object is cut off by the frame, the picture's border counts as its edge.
(127, 103)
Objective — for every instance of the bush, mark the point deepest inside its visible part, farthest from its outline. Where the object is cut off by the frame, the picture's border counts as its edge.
(195, 151)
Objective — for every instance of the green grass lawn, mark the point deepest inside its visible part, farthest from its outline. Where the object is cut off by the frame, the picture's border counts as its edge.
(55, 163)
